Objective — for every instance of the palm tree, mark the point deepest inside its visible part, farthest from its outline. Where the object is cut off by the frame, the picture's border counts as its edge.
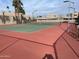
(18, 9)
(3, 19)
(8, 8)
(21, 10)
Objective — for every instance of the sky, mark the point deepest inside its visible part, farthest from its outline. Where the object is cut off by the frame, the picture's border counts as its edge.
(41, 7)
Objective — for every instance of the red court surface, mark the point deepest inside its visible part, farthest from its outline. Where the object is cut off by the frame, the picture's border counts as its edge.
(15, 45)
(67, 47)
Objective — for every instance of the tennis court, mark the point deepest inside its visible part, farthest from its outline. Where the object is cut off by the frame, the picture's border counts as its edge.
(16, 45)
(29, 27)
(35, 45)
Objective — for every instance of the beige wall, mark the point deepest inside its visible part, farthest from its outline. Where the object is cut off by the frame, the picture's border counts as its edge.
(7, 22)
(11, 17)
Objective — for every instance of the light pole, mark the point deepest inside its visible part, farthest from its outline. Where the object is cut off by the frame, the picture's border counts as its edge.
(70, 7)
(69, 12)
(73, 12)
(73, 9)
(33, 13)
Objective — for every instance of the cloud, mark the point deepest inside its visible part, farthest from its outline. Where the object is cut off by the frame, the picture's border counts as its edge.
(43, 6)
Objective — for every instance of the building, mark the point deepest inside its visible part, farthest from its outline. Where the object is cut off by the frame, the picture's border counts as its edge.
(9, 17)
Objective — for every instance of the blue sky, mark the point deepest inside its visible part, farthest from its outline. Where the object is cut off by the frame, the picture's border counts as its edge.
(42, 7)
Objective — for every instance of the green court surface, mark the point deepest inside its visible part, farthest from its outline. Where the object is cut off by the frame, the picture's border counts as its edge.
(27, 27)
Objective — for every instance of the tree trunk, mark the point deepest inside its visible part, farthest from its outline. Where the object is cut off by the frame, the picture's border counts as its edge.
(3, 20)
(17, 15)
